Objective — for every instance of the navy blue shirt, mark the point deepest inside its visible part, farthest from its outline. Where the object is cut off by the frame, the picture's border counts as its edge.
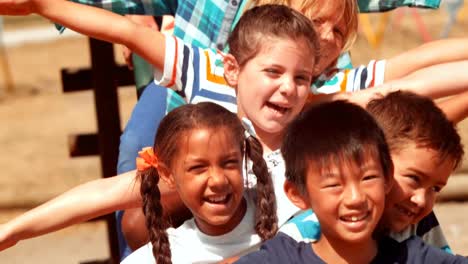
(284, 249)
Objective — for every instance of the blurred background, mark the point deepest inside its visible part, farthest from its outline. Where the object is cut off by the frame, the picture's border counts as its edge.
(37, 117)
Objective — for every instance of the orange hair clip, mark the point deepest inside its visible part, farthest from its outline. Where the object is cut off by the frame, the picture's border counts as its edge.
(146, 159)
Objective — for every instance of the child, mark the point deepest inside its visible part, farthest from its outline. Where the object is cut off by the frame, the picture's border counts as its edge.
(285, 68)
(424, 132)
(271, 78)
(336, 22)
(425, 149)
(342, 170)
(199, 152)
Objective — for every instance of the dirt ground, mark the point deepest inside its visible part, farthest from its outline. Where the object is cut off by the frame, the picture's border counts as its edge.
(37, 117)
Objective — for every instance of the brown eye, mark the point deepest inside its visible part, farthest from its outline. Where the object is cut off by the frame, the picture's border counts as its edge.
(232, 163)
(196, 168)
(370, 177)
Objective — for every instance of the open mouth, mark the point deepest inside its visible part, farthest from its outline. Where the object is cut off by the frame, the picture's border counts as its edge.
(218, 199)
(277, 108)
(354, 218)
(405, 211)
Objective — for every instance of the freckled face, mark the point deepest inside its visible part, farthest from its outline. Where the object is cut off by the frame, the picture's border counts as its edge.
(208, 177)
(417, 181)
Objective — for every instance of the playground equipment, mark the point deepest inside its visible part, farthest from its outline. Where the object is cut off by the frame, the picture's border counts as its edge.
(106, 75)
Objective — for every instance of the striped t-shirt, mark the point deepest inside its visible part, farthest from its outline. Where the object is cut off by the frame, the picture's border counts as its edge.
(198, 75)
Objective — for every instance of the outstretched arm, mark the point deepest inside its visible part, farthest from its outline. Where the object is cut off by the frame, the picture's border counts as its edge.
(94, 22)
(84, 202)
(455, 107)
(428, 54)
(436, 81)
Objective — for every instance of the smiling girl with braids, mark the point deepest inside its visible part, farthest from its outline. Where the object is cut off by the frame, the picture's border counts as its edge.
(199, 151)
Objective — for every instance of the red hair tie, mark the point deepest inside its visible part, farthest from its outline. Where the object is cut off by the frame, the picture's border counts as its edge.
(146, 159)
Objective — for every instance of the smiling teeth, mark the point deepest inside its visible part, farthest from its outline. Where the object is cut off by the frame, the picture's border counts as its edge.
(217, 199)
(354, 218)
(278, 108)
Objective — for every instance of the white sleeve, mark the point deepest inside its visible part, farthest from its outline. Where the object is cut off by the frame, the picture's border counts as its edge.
(177, 53)
(143, 255)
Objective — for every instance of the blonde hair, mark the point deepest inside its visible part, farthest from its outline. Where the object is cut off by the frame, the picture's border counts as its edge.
(348, 11)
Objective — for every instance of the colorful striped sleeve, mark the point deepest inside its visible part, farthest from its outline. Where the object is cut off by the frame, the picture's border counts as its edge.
(193, 72)
(351, 80)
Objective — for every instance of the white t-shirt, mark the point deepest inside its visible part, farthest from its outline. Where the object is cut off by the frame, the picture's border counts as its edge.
(190, 245)
(285, 208)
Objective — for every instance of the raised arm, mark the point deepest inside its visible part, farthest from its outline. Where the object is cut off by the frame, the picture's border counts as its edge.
(428, 54)
(94, 22)
(84, 202)
(455, 107)
(436, 81)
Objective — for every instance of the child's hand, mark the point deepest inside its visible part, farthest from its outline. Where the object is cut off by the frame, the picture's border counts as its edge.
(5, 240)
(363, 97)
(18, 7)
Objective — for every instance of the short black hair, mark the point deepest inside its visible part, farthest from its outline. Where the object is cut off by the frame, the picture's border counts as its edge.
(332, 132)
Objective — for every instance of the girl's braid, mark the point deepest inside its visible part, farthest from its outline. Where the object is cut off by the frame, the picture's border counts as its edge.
(153, 211)
(266, 222)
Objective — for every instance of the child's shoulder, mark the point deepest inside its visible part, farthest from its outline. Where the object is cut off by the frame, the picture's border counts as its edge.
(304, 226)
(413, 250)
(282, 249)
(428, 229)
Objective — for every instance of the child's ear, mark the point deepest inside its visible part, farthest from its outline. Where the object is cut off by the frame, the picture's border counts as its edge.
(296, 196)
(166, 176)
(231, 70)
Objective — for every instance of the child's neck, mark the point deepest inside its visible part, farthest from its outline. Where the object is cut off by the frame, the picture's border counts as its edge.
(218, 230)
(343, 252)
(270, 142)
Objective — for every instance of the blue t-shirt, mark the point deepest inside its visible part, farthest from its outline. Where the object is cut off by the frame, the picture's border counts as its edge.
(284, 249)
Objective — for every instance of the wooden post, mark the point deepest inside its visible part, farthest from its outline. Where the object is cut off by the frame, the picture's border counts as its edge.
(108, 119)
(103, 77)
